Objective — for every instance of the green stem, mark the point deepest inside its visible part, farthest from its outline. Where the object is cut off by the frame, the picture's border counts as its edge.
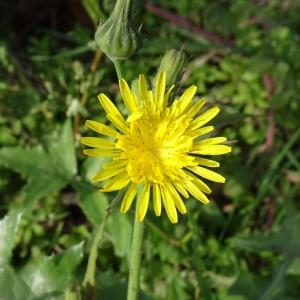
(118, 68)
(89, 277)
(135, 260)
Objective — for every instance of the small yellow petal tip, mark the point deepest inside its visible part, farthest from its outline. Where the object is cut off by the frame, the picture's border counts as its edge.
(174, 221)
(123, 211)
(140, 218)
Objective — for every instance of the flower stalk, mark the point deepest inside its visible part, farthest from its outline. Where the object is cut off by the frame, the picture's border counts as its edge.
(135, 259)
(118, 68)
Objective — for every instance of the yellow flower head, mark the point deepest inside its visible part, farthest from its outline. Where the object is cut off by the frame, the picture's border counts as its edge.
(157, 148)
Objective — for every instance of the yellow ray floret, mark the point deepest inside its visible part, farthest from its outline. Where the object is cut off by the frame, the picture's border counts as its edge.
(157, 149)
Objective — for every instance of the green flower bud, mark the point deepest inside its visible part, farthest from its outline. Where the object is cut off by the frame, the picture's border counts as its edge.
(117, 37)
(173, 63)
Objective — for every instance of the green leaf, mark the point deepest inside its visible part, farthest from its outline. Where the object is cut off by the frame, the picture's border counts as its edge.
(37, 189)
(51, 275)
(62, 153)
(29, 162)
(48, 171)
(119, 228)
(42, 278)
(8, 228)
(93, 204)
(12, 287)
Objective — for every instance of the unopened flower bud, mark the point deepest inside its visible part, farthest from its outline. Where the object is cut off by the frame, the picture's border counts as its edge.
(173, 63)
(117, 37)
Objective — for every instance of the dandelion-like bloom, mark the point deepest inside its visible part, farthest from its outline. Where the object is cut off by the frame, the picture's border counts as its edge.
(158, 148)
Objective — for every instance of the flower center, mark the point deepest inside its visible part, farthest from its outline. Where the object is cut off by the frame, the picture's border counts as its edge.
(156, 149)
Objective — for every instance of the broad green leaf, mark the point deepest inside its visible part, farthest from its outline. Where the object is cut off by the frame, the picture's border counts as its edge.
(49, 277)
(93, 204)
(8, 228)
(62, 153)
(119, 227)
(29, 162)
(37, 189)
(48, 171)
(12, 287)
(43, 278)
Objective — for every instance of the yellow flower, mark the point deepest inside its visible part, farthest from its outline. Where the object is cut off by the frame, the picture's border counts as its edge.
(157, 148)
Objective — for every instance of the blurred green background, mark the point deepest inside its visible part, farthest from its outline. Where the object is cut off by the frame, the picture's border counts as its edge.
(244, 56)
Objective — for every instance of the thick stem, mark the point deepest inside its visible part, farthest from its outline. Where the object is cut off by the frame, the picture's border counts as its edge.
(135, 260)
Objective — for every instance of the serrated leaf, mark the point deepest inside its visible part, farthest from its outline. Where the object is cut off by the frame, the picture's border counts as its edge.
(48, 171)
(8, 228)
(29, 162)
